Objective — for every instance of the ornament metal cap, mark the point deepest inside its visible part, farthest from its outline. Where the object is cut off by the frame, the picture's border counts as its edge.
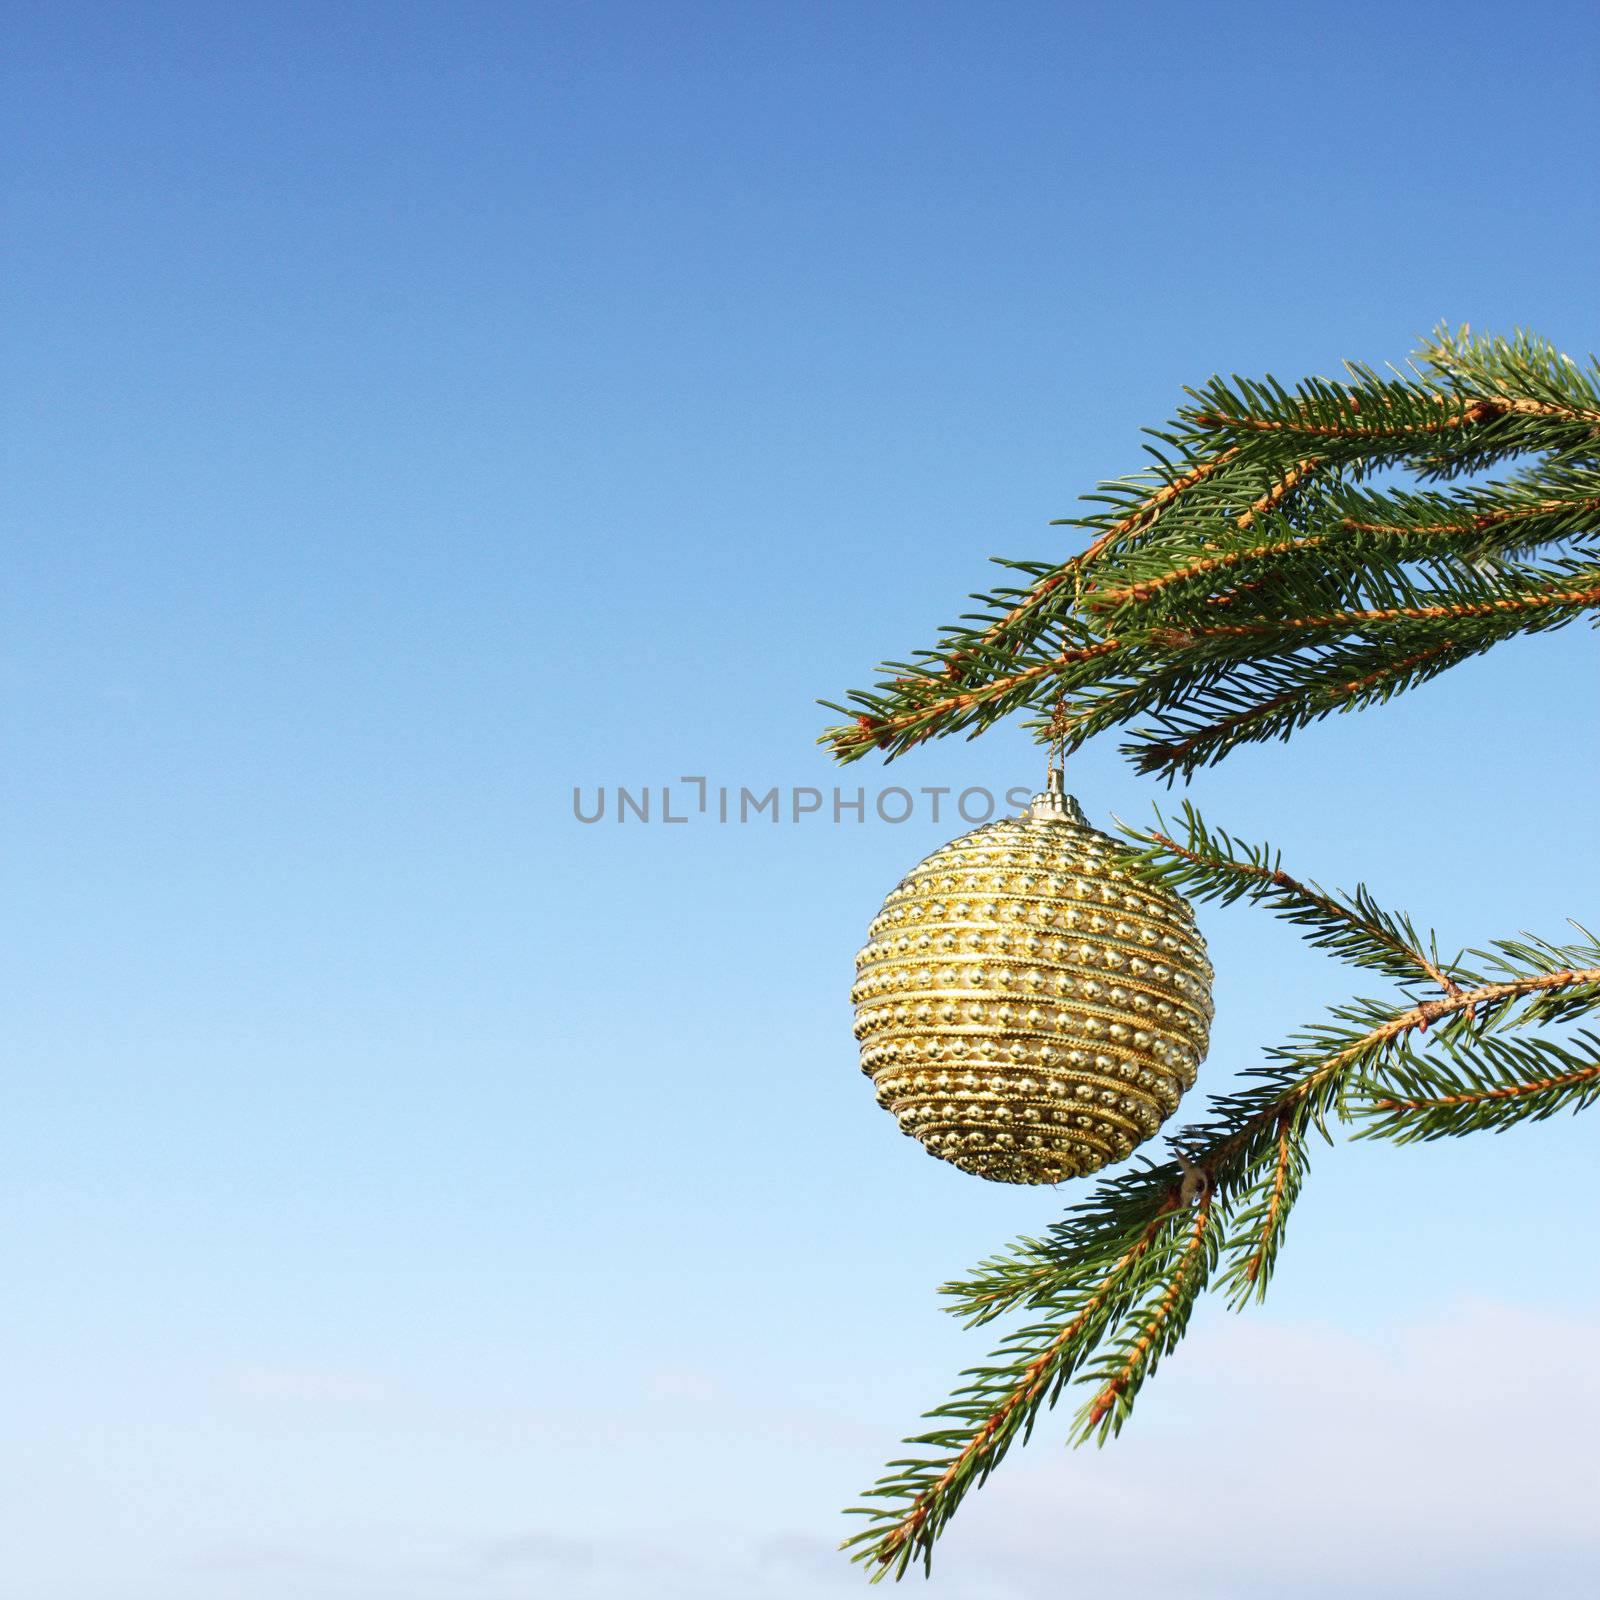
(1055, 804)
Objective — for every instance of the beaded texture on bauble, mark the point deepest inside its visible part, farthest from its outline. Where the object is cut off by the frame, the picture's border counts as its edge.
(1027, 1009)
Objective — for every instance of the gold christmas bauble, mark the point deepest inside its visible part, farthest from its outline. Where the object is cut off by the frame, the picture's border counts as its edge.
(1026, 1007)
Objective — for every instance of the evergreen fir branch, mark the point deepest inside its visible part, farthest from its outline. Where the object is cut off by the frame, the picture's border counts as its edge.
(1366, 655)
(1256, 670)
(1150, 1330)
(1283, 695)
(1029, 1273)
(1125, 1297)
(1214, 557)
(1210, 865)
(1495, 1085)
(1350, 528)
(1240, 518)
(1306, 1080)
(1281, 489)
(1396, 424)
(1144, 513)
(1523, 365)
(1552, 982)
(1003, 1402)
(1563, 588)
(1253, 1252)
(1503, 519)
(930, 707)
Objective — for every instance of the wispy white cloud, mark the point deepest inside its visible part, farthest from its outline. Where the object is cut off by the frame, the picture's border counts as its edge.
(1452, 1457)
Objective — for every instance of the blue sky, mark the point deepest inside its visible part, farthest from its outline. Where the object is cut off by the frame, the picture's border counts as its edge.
(415, 411)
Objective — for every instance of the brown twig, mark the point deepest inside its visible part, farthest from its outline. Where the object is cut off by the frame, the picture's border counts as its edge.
(880, 730)
(1512, 1091)
(1481, 523)
(1345, 619)
(1145, 588)
(1393, 669)
(1279, 492)
(1106, 1398)
(1487, 409)
(1259, 1255)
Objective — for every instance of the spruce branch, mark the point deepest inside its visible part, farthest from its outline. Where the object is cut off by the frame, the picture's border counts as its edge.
(1255, 1253)
(1143, 514)
(1210, 865)
(1494, 1086)
(1151, 1330)
(1243, 544)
